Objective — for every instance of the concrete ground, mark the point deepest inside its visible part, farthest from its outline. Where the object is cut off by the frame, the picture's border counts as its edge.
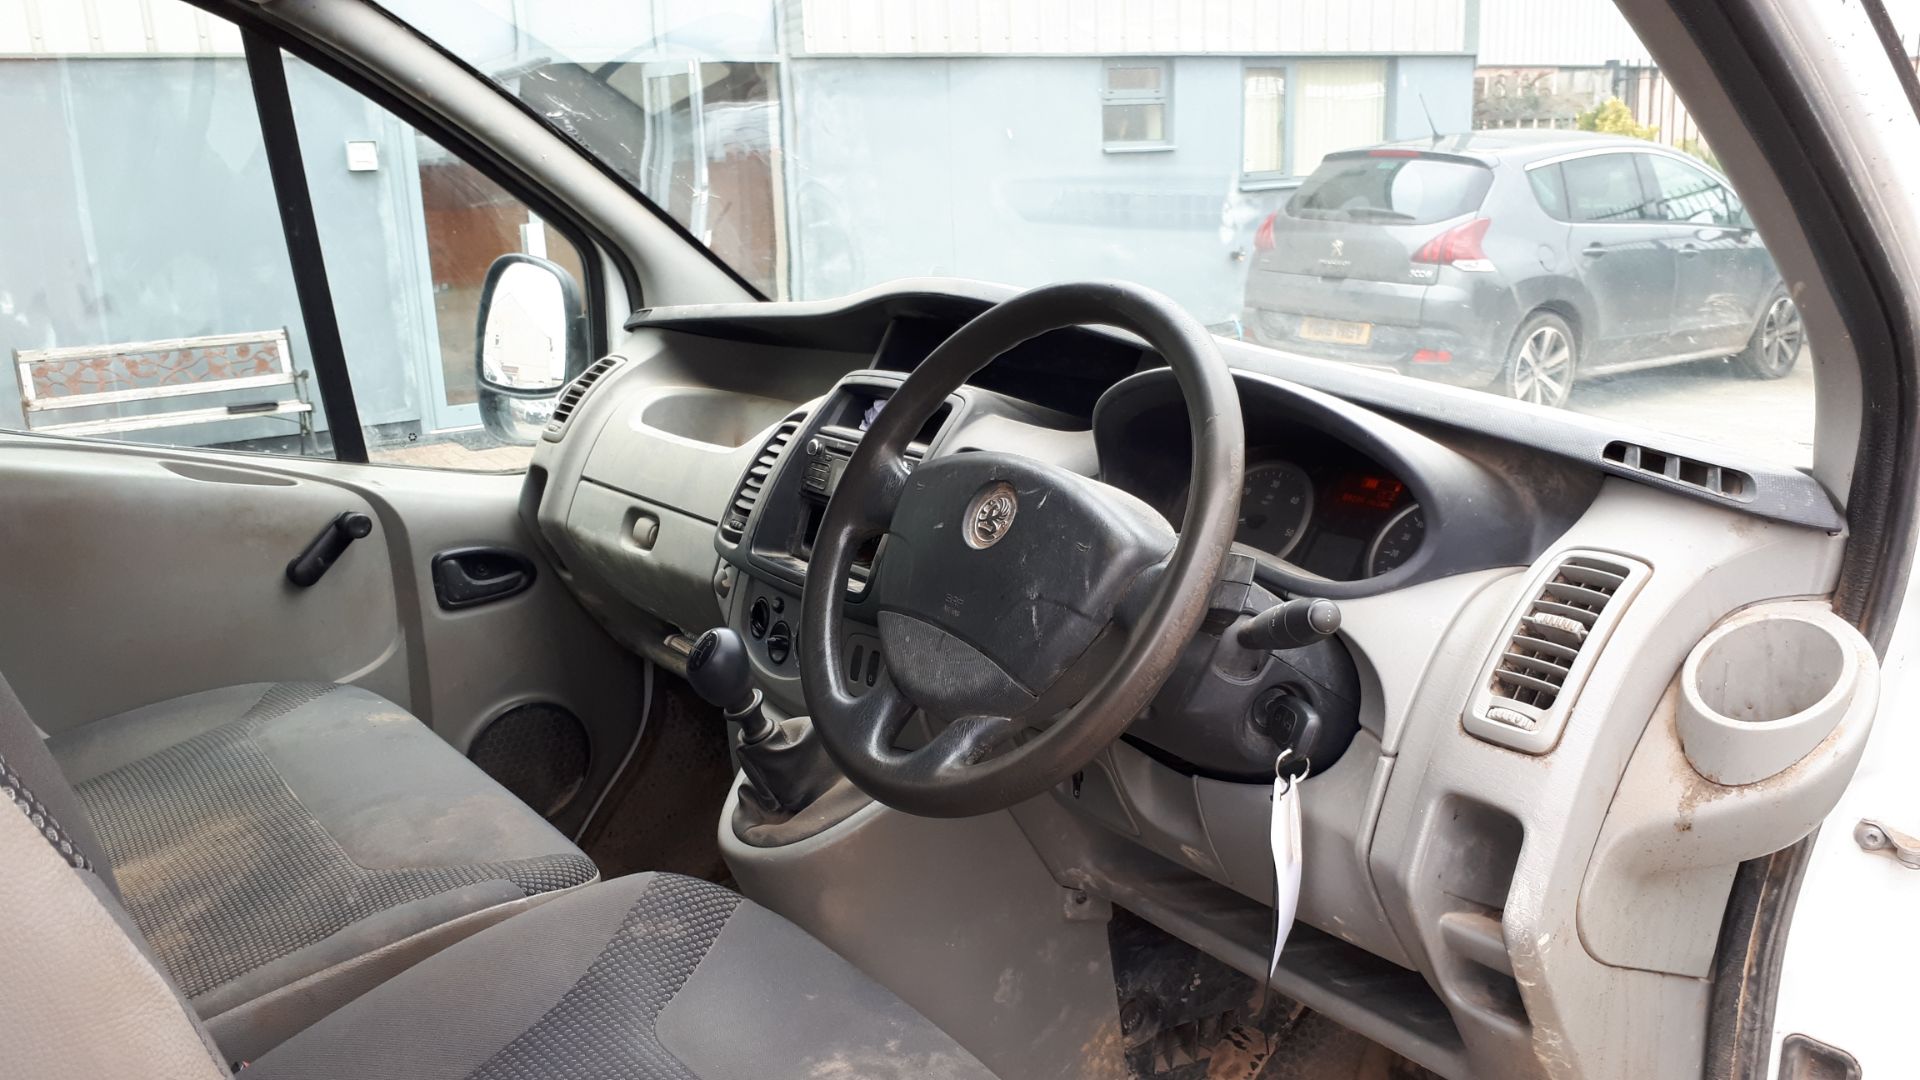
(1709, 400)
(452, 455)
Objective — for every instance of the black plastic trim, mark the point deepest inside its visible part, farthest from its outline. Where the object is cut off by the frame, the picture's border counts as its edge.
(455, 586)
(1475, 519)
(856, 323)
(1746, 962)
(308, 264)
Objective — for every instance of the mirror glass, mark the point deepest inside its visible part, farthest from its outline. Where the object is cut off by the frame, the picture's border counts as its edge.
(523, 345)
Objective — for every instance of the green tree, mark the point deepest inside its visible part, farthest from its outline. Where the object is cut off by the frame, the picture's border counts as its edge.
(1612, 117)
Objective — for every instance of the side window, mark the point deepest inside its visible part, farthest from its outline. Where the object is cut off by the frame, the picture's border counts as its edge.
(1684, 193)
(146, 286)
(409, 233)
(1549, 191)
(1604, 188)
(146, 293)
(1135, 102)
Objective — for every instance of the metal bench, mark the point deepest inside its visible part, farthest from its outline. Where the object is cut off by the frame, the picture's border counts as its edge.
(54, 381)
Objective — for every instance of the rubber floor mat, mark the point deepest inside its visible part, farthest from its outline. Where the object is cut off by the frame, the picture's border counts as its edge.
(664, 810)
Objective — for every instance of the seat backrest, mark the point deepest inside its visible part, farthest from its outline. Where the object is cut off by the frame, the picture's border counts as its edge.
(32, 779)
(78, 997)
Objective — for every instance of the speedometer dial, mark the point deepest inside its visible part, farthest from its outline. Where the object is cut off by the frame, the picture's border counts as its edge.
(1397, 541)
(1275, 505)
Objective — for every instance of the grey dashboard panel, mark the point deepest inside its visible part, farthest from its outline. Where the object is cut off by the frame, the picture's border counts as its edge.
(1481, 851)
(1451, 861)
(859, 322)
(663, 439)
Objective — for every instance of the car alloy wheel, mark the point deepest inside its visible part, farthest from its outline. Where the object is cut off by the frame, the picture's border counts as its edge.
(1781, 335)
(1542, 370)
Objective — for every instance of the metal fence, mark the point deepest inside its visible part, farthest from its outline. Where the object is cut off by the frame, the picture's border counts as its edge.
(1655, 104)
(1550, 97)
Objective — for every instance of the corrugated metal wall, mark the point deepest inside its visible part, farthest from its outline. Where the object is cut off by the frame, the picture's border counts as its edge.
(1556, 33)
(1121, 27)
(112, 28)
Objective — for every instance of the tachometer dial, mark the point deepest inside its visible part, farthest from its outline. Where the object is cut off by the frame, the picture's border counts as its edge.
(1275, 506)
(1397, 541)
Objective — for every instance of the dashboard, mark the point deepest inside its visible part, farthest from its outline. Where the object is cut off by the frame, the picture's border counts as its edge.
(685, 489)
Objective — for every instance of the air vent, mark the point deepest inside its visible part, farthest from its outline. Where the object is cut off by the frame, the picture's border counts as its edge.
(1701, 475)
(1549, 645)
(575, 392)
(740, 511)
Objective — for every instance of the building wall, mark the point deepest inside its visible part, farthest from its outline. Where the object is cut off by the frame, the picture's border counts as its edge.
(1120, 27)
(1562, 33)
(993, 169)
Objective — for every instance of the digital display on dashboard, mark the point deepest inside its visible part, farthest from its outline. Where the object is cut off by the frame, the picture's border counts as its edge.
(1369, 492)
(871, 414)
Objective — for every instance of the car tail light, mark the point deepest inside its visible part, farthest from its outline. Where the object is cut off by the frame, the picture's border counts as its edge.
(1263, 236)
(1432, 356)
(1459, 247)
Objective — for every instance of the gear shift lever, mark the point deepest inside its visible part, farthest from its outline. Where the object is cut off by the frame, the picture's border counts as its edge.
(717, 667)
(785, 767)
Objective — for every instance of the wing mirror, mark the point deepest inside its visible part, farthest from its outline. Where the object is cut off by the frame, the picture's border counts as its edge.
(532, 341)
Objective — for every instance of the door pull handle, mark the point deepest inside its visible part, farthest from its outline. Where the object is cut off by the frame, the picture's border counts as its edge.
(326, 548)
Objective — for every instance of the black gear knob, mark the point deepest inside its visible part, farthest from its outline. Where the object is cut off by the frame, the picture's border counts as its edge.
(717, 668)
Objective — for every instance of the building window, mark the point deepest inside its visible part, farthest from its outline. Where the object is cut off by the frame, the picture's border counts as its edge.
(1338, 105)
(1294, 114)
(1263, 135)
(1134, 102)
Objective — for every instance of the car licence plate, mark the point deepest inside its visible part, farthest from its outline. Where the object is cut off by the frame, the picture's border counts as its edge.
(1336, 332)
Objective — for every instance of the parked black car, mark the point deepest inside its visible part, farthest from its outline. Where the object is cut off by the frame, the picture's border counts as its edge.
(1518, 261)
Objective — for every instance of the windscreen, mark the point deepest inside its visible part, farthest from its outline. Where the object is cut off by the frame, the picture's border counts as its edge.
(1394, 188)
(1506, 196)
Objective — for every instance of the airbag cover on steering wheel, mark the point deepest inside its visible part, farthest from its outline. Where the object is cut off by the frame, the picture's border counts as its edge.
(1021, 564)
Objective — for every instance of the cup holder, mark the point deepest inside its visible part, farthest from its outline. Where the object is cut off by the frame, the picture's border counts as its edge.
(1764, 688)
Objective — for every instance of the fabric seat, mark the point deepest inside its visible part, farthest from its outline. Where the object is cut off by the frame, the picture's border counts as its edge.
(284, 847)
(649, 977)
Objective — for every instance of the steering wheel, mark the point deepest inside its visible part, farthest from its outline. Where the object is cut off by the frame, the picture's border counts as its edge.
(1030, 612)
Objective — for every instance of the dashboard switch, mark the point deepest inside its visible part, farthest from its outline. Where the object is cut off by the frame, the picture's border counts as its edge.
(779, 643)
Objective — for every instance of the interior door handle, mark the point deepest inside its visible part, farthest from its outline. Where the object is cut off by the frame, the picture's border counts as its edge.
(325, 549)
(468, 577)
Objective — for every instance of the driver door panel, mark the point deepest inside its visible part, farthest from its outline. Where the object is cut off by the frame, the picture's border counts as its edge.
(138, 575)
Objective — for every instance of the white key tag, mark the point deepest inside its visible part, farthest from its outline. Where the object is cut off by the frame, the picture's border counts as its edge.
(1283, 835)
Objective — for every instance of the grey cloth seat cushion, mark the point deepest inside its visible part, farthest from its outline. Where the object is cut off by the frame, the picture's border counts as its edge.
(263, 836)
(649, 977)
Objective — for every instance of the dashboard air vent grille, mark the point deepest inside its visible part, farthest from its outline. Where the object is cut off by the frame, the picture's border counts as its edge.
(1549, 646)
(1728, 483)
(740, 511)
(575, 392)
